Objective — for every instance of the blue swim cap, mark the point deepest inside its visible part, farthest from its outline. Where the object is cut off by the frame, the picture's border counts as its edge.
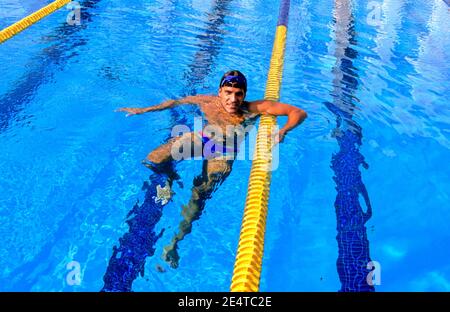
(234, 78)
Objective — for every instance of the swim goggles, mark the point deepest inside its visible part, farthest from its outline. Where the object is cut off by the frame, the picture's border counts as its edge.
(240, 80)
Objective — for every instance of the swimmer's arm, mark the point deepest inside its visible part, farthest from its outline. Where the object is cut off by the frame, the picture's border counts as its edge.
(295, 115)
(198, 99)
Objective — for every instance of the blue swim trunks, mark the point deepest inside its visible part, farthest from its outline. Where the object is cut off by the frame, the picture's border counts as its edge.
(212, 148)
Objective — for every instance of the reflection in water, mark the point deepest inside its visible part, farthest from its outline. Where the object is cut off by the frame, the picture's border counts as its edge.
(412, 100)
(13, 10)
(434, 46)
(128, 260)
(210, 43)
(387, 35)
(209, 48)
(43, 66)
(352, 237)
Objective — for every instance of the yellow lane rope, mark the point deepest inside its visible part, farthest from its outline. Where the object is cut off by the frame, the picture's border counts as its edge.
(26, 22)
(247, 268)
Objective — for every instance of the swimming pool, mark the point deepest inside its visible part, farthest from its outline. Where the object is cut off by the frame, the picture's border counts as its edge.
(375, 90)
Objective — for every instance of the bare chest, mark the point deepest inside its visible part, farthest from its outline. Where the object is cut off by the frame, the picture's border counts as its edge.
(217, 116)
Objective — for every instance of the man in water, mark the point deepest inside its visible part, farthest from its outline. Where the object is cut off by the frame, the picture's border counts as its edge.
(223, 112)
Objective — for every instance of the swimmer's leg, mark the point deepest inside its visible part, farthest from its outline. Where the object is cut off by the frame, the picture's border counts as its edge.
(161, 162)
(162, 159)
(214, 172)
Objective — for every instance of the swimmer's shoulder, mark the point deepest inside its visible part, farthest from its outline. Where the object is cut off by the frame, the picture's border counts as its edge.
(248, 111)
(204, 99)
(200, 98)
(207, 97)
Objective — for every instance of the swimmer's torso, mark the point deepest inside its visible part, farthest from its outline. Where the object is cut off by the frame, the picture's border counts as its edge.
(216, 116)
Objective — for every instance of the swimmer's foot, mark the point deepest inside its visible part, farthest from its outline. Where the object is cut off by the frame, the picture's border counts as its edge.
(170, 255)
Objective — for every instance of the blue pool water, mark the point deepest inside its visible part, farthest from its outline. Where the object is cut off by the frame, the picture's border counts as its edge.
(363, 179)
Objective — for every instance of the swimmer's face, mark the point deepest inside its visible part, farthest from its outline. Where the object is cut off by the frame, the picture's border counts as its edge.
(231, 99)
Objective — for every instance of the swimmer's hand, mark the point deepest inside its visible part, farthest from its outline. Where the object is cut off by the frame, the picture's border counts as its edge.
(278, 137)
(131, 110)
